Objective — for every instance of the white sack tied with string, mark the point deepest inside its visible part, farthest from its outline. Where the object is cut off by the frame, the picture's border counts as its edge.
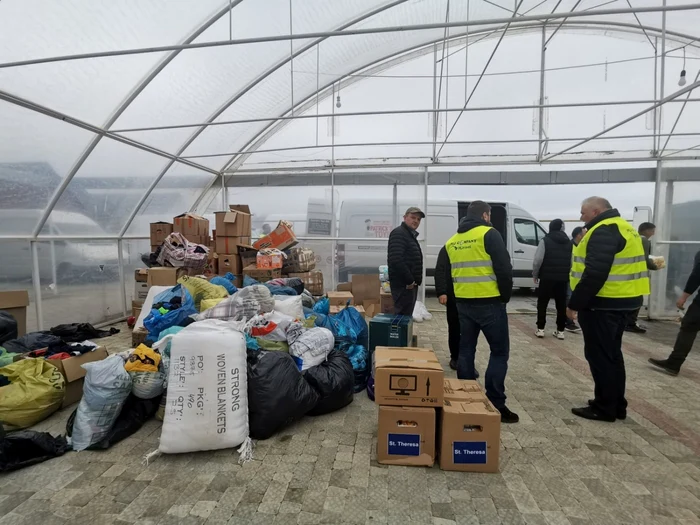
(207, 398)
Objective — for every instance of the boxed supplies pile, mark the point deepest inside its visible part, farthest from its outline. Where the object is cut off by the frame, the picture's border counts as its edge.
(159, 232)
(233, 229)
(340, 298)
(269, 258)
(408, 386)
(299, 260)
(193, 227)
(281, 238)
(313, 281)
(470, 429)
(262, 275)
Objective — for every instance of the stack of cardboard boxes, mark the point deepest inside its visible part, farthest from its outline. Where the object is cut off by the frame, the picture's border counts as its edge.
(193, 227)
(421, 413)
(233, 236)
(159, 232)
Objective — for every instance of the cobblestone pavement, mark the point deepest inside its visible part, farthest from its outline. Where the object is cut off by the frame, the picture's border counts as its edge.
(555, 468)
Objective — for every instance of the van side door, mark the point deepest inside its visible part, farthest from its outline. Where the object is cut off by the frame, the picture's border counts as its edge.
(527, 234)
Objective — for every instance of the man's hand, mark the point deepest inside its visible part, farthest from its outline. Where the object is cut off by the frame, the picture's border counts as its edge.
(571, 314)
(443, 299)
(411, 286)
(681, 301)
(536, 280)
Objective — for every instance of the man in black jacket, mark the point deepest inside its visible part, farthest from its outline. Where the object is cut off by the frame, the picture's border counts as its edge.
(690, 325)
(482, 279)
(405, 261)
(550, 269)
(605, 290)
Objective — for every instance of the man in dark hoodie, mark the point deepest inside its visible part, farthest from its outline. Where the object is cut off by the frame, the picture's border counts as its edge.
(550, 269)
(608, 279)
(482, 279)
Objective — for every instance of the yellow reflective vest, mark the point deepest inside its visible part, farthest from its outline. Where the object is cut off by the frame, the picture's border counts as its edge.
(628, 276)
(472, 269)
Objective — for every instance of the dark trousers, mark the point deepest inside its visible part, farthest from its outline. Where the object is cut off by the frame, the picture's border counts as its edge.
(551, 290)
(490, 318)
(404, 300)
(633, 317)
(453, 329)
(690, 325)
(602, 338)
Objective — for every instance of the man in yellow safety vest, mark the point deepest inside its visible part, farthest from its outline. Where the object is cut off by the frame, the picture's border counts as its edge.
(608, 279)
(482, 278)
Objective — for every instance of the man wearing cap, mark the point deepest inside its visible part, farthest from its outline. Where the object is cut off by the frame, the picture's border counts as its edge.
(405, 261)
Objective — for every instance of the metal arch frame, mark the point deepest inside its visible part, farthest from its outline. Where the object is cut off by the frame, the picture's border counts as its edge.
(389, 61)
(235, 98)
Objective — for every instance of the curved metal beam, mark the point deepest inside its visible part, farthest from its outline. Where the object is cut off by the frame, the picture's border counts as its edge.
(240, 94)
(118, 112)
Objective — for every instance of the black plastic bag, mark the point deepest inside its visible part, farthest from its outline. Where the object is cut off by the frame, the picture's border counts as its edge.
(32, 341)
(25, 448)
(334, 380)
(278, 394)
(133, 415)
(8, 327)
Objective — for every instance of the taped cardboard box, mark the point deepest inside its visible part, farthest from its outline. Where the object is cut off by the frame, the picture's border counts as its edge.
(281, 238)
(407, 377)
(344, 287)
(462, 390)
(340, 298)
(262, 275)
(231, 245)
(141, 275)
(406, 436)
(236, 222)
(192, 226)
(15, 303)
(470, 436)
(162, 277)
(230, 262)
(365, 288)
(74, 374)
(159, 232)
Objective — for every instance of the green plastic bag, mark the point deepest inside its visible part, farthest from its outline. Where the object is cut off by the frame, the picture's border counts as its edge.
(35, 392)
(6, 357)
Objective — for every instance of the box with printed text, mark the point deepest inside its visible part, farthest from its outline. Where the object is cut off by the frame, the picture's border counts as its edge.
(407, 377)
(406, 436)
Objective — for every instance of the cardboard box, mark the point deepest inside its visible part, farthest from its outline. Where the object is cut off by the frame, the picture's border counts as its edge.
(136, 308)
(336, 309)
(406, 436)
(248, 255)
(191, 226)
(262, 275)
(204, 240)
(138, 336)
(140, 291)
(407, 377)
(462, 390)
(231, 245)
(74, 374)
(371, 309)
(344, 287)
(274, 260)
(470, 436)
(159, 231)
(313, 281)
(340, 298)
(365, 288)
(141, 275)
(15, 303)
(386, 302)
(281, 238)
(161, 277)
(299, 260)
(236, 222)
(229, 262)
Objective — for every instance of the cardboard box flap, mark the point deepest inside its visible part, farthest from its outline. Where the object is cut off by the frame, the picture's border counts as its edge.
(243, 208)
(406, 357)
(462, 386)
(72, 368)
(482, 407)
(14, 299)
(191, 216)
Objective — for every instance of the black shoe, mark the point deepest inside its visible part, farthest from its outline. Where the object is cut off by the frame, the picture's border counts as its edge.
(635, 329)
(663, 365)
(476, 373)
(453, 364)
(591, 413)
(507, 416)
(621, 414)
(572, 327)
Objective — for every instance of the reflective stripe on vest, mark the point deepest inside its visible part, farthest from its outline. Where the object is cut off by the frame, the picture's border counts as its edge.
(628, 276)
(472, 268)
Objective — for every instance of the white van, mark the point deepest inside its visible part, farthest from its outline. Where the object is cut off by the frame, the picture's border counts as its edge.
(375, 218)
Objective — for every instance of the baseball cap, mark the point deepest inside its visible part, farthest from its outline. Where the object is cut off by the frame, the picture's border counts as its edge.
(415, 210)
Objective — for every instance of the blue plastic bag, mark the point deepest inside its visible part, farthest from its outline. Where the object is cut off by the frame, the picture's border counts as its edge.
(156, 321)
(358, 359)
(352, 318)
(323, 306)
(281, 290)
(343, 334)
(249, 281)
(223, 281)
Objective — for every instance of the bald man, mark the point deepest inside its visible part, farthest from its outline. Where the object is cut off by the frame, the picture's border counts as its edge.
(608, 279)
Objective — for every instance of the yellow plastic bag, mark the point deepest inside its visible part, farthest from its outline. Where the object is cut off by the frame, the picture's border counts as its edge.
(202, 289)
(210, 303)
(142, 359)
(35, 392)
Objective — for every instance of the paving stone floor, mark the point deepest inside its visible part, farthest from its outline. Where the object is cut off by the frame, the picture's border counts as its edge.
(555, 468)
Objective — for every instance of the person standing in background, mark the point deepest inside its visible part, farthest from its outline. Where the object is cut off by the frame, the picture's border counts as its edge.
(405, 261)
(550, 269)
(646, 231)
(576, 236)
(690, 325)
(482, 277)
(608, 279)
